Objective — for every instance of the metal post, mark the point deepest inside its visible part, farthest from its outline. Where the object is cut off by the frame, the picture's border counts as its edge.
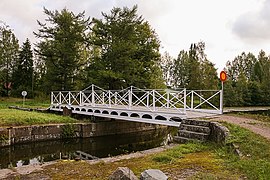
(80, 98)
(221, 98)
(60, 98)
(185, 100)
(147, 100)
(154, 101)
(93, 96)
(109, 98)
(103, 98)
(69, 101)
(168, 99)
(192, 96)
(51, 97)
(115, 98)
(130, 98)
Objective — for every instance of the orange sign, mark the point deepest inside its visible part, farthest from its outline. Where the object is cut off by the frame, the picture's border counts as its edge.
(223, 76)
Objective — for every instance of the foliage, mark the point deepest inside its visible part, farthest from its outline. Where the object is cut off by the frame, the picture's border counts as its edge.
(61, 46)
(9, 47)
(248, 80)
(68, 131)
(191, 69)
(23, 71)
(126, 51)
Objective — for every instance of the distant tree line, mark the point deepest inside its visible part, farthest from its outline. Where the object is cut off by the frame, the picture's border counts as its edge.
(248, 81)
(114, 52)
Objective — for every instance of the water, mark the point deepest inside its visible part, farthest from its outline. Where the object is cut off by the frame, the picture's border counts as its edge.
(39, 152)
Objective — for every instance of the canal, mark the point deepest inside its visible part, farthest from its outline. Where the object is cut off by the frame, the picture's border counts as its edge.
(103, 146)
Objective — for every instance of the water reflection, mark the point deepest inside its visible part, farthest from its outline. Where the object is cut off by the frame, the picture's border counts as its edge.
(39, 152)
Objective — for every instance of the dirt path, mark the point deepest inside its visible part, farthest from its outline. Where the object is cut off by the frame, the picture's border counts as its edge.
(258, 127)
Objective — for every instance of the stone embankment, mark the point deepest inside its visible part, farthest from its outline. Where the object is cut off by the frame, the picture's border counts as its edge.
(16, 135)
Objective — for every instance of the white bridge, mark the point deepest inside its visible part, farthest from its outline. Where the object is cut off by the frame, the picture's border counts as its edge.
(157, 106)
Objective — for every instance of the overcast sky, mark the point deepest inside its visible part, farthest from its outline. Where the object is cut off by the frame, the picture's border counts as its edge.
(228, 27)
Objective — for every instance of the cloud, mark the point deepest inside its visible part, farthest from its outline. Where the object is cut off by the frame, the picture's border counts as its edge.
(253, 27)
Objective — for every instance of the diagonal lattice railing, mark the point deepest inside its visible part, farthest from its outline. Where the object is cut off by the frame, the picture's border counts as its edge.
(147, 99)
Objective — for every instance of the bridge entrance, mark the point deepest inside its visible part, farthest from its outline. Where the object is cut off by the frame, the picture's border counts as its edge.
(156, 106)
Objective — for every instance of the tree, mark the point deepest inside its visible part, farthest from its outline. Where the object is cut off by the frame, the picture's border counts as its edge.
(193, 70)
(23, 70)
(9, 47)
(127, 51)
(167, 66)
(61, 46)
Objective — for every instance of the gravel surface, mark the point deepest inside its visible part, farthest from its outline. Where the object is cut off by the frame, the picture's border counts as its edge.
(256, 126)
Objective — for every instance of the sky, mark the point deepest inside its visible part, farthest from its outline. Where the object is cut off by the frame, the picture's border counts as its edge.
(228, 27)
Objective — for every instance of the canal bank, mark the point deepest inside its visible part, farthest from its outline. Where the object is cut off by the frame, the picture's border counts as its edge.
(23, 134)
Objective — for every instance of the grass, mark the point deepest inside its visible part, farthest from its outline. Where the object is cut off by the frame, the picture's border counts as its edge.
(12, 117)
(29, 103)
(255, 163)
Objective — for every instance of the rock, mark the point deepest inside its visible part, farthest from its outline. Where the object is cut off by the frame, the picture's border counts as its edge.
(123, 173)
(153, 174)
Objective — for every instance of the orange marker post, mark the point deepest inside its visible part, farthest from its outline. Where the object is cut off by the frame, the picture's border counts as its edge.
(222, 77)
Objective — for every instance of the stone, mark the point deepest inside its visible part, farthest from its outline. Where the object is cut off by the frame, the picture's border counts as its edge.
(123, 173)
(153, 174)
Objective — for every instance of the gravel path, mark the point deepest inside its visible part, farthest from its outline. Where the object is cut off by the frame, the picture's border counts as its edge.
(256, 126)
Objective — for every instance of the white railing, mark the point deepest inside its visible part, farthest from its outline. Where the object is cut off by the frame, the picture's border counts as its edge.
(204, 100)
(148, 99)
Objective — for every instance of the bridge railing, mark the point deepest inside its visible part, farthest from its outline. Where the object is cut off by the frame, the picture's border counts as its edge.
(129, 98)
(204, 100)
(148, 99)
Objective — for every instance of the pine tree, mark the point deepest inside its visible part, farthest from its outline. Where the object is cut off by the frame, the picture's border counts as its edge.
(128, 51)
(23, 71)
(61, 44)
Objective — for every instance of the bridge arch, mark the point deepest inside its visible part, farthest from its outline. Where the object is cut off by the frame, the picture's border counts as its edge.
(124, 114)
(160, 118)
(147, 116)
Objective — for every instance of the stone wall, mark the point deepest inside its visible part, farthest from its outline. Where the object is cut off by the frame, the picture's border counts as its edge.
(15, 135)
(219, 133)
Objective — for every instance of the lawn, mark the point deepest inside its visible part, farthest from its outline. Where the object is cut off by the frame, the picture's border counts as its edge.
(12, 117)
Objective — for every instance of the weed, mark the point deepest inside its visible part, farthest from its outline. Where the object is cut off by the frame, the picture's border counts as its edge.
(68, 131)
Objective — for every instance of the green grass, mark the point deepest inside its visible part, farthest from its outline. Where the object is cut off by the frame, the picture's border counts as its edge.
(12, 117)
(255, 163)
(29, 103)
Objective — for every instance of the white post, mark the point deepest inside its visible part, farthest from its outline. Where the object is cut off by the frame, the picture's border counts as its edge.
(69, 101)
(115, 98)
(154, 101)
(60, 98)
(109, 98)
(168, 99)
(103, 98)
(221, 99)
(192, 96)
(51, 97)
(147, 100)
(185, 100)
(130, 98)
(80, 98)
(93, 96)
